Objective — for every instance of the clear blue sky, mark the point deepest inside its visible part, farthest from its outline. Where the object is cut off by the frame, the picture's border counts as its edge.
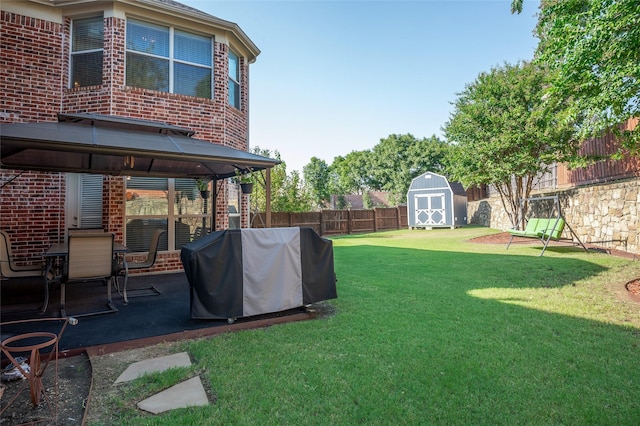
(338, 76)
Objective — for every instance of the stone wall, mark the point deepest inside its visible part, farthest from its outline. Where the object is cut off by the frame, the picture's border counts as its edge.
(605, 215)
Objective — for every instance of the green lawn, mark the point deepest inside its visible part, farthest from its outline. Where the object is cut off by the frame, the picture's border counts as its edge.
(429, 328)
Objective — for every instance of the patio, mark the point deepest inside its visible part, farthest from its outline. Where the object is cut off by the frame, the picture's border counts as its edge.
(149, 318)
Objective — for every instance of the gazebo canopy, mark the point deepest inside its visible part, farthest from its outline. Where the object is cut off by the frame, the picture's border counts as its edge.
(109, 145)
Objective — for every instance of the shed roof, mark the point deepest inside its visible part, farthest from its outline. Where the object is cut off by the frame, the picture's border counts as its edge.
(456, 187)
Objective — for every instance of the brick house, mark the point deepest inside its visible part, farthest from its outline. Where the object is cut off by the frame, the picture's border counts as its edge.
(153, 71)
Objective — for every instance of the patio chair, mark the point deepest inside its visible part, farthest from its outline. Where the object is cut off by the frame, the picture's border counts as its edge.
(124, 267)
(84, 230)
(90, 258)
(9, 268)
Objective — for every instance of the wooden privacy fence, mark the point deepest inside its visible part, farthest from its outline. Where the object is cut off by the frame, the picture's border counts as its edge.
(604, 170)
(561, 177)
(337, 222)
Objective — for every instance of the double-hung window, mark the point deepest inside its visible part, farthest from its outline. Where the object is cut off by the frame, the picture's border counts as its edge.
(87, 41)
(234, 80)
(168, 59)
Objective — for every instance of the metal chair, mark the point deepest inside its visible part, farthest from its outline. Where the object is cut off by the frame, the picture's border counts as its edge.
(8, 267)
(90, 258)
(123, 268)
(84, 230)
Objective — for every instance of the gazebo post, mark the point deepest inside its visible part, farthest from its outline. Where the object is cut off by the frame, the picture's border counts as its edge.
(268, 198)
(214, 204)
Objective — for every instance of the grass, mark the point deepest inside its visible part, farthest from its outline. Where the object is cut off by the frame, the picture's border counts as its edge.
(432, 329)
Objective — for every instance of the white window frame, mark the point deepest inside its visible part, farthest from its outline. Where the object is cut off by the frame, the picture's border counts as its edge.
(73, 53)
(235, 79)
(171, 58)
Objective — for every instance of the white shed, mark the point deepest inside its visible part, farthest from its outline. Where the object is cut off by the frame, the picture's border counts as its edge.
(434, 202)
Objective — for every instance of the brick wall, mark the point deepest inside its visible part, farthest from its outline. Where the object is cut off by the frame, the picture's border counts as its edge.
(31, 66)
(34, 69)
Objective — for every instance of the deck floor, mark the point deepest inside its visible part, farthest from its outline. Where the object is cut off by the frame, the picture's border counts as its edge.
(146, 319)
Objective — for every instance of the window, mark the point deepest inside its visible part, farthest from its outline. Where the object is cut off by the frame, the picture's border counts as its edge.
(234, 80)
(174, 205)
(168, 60)
(233, 205)
(90, 201)
(87, 39)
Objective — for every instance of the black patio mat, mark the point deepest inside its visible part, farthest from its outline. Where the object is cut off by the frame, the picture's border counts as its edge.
(148, 317)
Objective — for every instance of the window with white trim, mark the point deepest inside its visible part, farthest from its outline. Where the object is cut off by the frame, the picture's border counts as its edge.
(234, 80)
(175, 205)
(168, 59)
(87, 42)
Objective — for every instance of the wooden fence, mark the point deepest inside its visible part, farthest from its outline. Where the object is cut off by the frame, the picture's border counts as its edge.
(561, 177)
(604, 170)
(338, 222)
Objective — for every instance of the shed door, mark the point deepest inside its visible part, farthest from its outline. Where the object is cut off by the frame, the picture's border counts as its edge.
(429, 209)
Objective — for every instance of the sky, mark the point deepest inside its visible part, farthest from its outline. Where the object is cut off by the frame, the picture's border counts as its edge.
(337, 76)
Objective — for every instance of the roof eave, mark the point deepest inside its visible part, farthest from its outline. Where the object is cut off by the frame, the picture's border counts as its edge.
(206, 19)
(183, 11)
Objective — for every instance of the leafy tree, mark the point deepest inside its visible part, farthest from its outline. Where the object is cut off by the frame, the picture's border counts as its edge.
(516, 6)
(292, 196)
(278, 178)
(505, 134)
(367, 203)
(397, 159)
(593, 47)
(317, 177)
(341, 202)
(351, 173)
(287, 191)
(390, 166)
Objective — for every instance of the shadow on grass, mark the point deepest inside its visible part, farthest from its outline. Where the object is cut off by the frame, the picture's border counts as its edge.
(495, 338)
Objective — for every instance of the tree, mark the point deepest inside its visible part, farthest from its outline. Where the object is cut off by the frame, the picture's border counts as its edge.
(397, 159)
(505, 134)
(593, 48)
(287, 192)
(292, 196)
(278, 178)
(317, 177)
(367, 203)
(352, 173)
(390, 166)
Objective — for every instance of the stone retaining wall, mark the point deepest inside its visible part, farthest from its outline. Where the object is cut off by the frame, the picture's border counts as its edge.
(605, 215)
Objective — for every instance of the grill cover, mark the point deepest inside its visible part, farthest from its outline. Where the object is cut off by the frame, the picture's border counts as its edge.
(244, 272)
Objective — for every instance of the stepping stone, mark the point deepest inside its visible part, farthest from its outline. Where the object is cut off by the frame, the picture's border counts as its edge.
(189, 393)
(153, 365)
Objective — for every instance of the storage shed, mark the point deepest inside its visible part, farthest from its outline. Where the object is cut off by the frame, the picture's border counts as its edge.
(434, 202)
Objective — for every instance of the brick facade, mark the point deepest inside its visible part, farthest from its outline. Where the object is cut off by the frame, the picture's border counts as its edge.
(34, 80)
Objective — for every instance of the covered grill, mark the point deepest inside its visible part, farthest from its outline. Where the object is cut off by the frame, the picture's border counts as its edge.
(245, 272)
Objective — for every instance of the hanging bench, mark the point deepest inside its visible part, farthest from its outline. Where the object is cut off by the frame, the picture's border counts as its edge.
(544, 229)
